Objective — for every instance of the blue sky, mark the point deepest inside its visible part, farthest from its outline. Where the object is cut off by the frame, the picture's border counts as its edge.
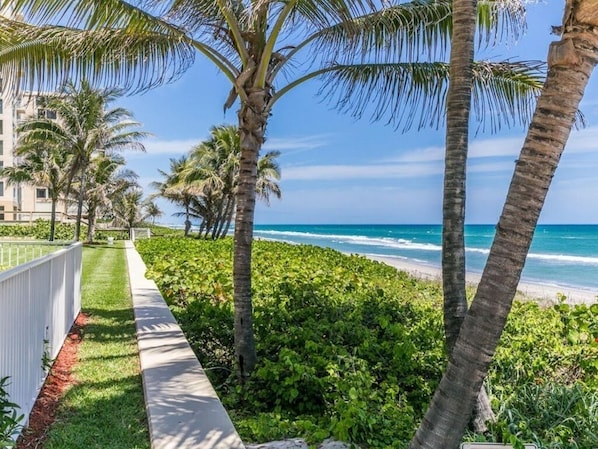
(339, 170)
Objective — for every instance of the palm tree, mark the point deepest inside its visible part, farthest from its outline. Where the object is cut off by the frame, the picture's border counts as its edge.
(152, 210)
(40, 164)
(175, 190)
(85, 127)
(214, 173)
(205, 181)
(127, 208)
(105, 181)
(214, 176)
(268, 173)
(255, 45)
(455, 162)
(570, 62)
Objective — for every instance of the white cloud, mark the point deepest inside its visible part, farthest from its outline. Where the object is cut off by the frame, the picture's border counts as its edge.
(166, 147)
(495, 167)
(295, 144)
(344, 172)
(583, 141)
(486, 148)
(354, 205)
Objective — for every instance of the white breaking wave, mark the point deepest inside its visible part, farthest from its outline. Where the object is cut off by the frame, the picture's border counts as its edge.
(406, 244)
(564, 258)
(356, 240)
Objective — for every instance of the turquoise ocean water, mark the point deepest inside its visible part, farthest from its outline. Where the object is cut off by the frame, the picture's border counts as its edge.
(565, 255)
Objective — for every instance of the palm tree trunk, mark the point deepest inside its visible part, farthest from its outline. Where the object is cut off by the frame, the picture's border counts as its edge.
(455, 163)
(226, 216)
(229, 217)
(571, 62)
(187, 221)
(80, 201)
(219, 218)
(91, 223)
(252, 126)
(54, 200)
(455, 168)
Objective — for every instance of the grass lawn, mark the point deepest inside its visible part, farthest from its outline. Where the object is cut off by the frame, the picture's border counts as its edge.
(105, 408)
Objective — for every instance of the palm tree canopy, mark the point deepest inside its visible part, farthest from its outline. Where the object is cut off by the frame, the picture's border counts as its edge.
(268, 45)
(210, 171)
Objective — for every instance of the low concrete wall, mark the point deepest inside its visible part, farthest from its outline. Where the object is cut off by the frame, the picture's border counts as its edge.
(182, 407)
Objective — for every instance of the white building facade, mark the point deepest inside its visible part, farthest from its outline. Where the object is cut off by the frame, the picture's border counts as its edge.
(20, 202)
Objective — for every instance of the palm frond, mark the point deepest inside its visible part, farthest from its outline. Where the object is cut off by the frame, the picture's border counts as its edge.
(407, 30)
(414, 94)
(322, 14)
(50, 55)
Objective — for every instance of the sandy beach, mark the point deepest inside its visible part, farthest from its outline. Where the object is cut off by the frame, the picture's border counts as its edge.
(542, 292)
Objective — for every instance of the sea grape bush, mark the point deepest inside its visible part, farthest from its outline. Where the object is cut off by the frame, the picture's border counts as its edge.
(9, 417)
(353, 349)
(39, 229)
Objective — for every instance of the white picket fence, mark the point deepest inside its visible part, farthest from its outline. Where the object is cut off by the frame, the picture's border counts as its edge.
(39, 302)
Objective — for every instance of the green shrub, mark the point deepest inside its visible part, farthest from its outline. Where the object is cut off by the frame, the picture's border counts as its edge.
(9, 417)
(550, 415)
(353, 349)
(39, 230)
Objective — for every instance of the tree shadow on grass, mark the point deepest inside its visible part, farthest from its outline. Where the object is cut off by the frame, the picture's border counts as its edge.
(110, 325)
(103, 414)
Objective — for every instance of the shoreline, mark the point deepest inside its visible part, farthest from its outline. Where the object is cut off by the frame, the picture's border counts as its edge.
(530, 290)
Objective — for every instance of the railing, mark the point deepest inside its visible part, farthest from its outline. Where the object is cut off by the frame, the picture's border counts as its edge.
(39, 302)
(140, 233)
(13, 253)
(25, 216)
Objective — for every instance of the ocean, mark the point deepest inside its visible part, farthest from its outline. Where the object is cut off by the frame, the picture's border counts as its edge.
(561, 255)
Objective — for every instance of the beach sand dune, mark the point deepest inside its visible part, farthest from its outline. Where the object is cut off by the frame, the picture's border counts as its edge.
(540, 292)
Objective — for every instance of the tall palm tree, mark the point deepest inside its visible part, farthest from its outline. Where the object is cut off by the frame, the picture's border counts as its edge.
(570, 64)
(214, 173)
(40, 164)
(85, 126)
(127, 207)
(214, 176)
(257, 45)
(173, 189)
(105, 182)
(152, 210)
(458, 107)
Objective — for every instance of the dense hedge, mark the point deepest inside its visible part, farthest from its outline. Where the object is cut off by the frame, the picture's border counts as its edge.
(353, 349)
(39, 230)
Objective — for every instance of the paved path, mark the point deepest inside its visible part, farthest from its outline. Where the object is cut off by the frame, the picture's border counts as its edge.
(182, 407)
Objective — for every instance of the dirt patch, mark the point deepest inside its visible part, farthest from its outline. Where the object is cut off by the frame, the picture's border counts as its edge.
(59, 379)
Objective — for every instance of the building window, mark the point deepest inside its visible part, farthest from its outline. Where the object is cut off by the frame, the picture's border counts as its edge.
(1, 188)
(1, 127)
(46, 113)
(1, 147)
(1, 213)
(41, 194)
(1, 106)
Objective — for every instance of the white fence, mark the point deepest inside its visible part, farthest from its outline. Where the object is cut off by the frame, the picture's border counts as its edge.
(39, 302)
(140, 233)
(16, 252)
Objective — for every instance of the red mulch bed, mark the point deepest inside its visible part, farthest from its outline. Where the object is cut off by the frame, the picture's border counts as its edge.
(59, 379)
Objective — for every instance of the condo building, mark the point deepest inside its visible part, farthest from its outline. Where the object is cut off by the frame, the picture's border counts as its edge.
(20, 202)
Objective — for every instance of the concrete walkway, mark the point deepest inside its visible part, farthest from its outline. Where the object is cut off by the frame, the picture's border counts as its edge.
(182, 407)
